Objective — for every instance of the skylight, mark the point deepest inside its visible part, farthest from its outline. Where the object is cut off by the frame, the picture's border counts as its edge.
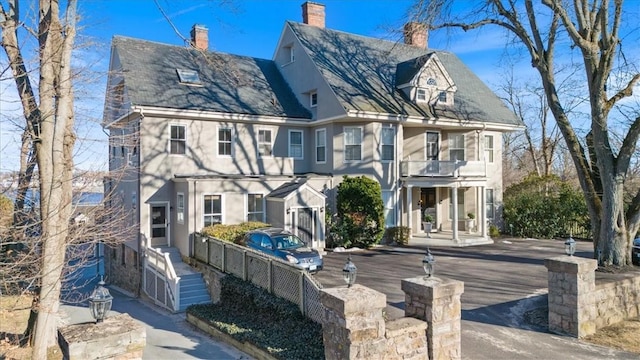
(189, 77)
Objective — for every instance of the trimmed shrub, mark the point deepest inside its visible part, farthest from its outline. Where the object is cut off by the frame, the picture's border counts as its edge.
(397, 234)
(360, 218)
(249, 313)
(232, 233)
(494, 231)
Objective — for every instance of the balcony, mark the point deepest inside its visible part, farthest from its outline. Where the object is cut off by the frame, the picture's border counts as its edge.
(436, 168)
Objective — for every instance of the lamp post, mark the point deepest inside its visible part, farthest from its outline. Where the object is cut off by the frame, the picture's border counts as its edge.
(349, 272)
(428, 264)
(570, 246)
(100, 302)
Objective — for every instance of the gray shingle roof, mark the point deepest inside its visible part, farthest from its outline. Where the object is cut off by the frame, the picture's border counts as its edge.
(362, 72)
(230, 83)
(285, 189)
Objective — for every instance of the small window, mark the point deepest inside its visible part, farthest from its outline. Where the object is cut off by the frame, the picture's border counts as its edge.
(432, 82)
(224, 142)
(488, 148)
(456, 147)
(352, 144)
(387, 140)
(421, 95)
(296, 144)
(490, 205)
(178, 140)
(265, 146)
(290, 53)
(180, 208)
(212, 210)
(321, 146)
(442, 97)
(190, 77)
(255, 207)
(313, 99)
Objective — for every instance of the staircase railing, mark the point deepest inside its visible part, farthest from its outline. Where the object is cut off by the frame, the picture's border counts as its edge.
(161, 263)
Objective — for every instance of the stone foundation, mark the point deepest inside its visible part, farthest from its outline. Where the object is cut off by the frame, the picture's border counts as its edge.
(116, 338)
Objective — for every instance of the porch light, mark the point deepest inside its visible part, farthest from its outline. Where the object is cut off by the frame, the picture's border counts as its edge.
(349, 272)
(100, 302)
(570, 246)
(428, 264)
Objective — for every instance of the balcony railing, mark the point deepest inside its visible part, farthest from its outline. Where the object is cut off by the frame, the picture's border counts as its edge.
(436, 168)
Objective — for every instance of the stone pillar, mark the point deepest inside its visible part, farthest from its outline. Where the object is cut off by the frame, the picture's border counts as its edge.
(353, 326)
(572, 308)
(117, 337)
(436, 301)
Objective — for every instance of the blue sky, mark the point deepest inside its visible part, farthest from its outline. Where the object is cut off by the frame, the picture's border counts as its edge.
(244, 27)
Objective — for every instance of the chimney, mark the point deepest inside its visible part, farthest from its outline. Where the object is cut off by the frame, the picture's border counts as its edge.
(200, 37)
(415, 34)
(313, 14)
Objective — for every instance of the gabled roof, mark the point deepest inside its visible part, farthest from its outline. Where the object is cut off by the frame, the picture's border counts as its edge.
(409, 71)
(287, 189)
(229, 83)
(362, 71)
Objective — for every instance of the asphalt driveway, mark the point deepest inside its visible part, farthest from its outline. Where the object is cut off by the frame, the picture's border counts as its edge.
(504, 283)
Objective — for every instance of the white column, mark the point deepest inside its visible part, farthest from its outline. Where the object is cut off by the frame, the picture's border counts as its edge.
(454, 225)
(410, 210)
(483, 210)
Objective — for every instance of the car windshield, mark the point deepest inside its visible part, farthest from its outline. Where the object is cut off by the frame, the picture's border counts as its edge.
(288, 242)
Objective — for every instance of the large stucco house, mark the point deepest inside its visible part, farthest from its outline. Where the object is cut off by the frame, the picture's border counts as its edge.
(206, 137)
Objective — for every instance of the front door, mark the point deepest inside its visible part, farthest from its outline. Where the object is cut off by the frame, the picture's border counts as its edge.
(428, 202)
(159, 225)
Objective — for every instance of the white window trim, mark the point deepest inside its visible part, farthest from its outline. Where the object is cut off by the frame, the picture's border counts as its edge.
(393, 144)
(426, 138)
(426, 98)
(311, 94)
(179, 210)
(493, 204)
(344, 143)
(324, 130)
(291, 131)
(260, 156)
(186, 136)
(246, 205)
(233, 142)
(464, 142)
(392, 208)
(222, 207)
(492, 149)
(446, 97)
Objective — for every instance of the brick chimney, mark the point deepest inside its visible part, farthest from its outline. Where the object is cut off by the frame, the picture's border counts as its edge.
(313, 14)
(415, 34)
(200, 37)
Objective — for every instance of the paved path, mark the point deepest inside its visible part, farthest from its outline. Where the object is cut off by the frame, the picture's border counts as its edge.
(502, 281)
(169, 336)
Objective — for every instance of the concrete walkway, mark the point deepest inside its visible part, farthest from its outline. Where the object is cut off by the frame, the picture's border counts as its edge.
(169, 336)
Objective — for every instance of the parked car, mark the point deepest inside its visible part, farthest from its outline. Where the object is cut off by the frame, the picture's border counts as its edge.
(285, 245)
(635, 251)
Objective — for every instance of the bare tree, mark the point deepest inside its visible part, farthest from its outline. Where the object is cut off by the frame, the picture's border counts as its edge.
(592, 27)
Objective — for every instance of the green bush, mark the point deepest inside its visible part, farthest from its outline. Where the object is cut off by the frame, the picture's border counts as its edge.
(494, 231)
(397, 234)
(232, 233)
(360, 217)
(544, 207)
(249, 313)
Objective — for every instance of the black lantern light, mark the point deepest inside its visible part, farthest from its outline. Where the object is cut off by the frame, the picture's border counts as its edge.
(570, 246)
(349, 272)
(100, 302)
(428, 264)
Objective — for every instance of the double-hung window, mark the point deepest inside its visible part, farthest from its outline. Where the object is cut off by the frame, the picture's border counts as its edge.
(255, 207)
(456, 147)
(178, 140)
(488, 148)
(225, 142)
(265, 146)
(387, 140)
(352, 144)
(321, 146)
(212, 210)
(180, 208)
(389, 211)
(296, 145)
(490, 204)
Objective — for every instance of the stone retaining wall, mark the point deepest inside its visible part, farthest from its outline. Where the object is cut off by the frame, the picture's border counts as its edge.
(617, 301)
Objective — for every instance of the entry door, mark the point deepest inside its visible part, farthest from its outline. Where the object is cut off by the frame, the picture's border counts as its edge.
(305, 225)
(159, 224)
(428, 201)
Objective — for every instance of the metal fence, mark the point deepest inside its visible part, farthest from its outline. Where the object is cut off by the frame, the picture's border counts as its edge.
(272, 274)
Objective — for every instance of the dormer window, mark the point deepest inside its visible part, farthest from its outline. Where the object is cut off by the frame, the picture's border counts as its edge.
(313, 99)
(421, 95)
(442, 97)
(289, 55)
(189, 77)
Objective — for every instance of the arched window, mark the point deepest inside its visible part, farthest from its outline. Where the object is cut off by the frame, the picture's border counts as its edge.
(432, 82)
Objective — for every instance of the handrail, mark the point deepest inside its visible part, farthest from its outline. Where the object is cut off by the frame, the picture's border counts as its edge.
(162, 263)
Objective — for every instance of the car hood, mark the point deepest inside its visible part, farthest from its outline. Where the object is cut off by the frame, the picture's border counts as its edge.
(304, 251)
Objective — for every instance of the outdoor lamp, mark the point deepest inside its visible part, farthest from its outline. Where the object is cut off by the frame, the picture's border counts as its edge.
(428, 264)
(100, 302)
(349, 272)
(570, 246)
